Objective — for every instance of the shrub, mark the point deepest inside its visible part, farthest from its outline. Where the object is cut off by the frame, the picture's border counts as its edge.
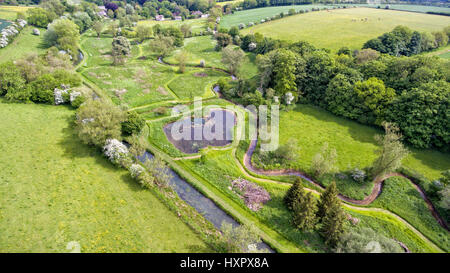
(117, 152)
(358, 175)
(366, 241)
(99, 120)
(254, 196)
(133, 124)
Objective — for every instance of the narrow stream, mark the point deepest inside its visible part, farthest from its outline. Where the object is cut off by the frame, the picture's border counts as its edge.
(198, 201)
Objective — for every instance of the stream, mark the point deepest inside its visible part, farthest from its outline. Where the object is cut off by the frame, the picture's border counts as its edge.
(199, 202)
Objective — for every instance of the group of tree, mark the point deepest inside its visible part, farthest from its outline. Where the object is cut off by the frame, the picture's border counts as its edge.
(366, 86)
(403, 41)
(34, 78)
(326, 215)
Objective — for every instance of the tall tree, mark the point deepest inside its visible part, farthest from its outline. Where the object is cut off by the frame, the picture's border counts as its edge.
(121, 48)
(232, 57)
(324, 162)
(391, 152)
(98, 27)
(331, 215)
(294, 192)
(304, 211)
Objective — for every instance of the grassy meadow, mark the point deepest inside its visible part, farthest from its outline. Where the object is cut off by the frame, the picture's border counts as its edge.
(56, 190)
(23, 44)
(334, 29)
(203, 48)
(197, 25)
(10, 12)
(354, 142)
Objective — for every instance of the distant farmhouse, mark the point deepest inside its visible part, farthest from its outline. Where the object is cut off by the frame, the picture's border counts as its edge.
(177, 18)
(159, 18)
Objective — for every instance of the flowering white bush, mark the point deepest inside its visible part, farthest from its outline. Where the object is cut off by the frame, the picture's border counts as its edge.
(115, 151)
(59, 95)
(251, 46)
(136, 170)
(358, 175)
(74, 95)
(10, 31)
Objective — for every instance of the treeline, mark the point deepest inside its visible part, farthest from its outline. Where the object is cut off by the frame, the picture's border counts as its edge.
(406, 42)
(366, 86)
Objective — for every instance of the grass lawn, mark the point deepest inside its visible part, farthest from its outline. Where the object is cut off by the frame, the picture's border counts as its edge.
(197, 25)
(23, 44)
(334, 29)
(354, 143)
(400, 197)
(56, 190)
(134, 85)
(10, 12)
(197, 83)
(203, 48)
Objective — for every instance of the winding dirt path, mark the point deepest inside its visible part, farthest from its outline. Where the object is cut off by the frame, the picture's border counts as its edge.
(378, 187)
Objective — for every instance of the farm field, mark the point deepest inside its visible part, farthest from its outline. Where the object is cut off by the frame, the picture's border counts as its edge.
(255, 15)
(10, 12)
(334, 29)
(354, 143)
(197, 25)
(23, 44)
(70, 192)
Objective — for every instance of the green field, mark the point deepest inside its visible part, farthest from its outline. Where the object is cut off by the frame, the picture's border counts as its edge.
(400, 197)
(354, 143)
(10, 12)
(334, 29)
(203, 48)
(56, 190)
(23, 44)
(255, 15)
(197, 25)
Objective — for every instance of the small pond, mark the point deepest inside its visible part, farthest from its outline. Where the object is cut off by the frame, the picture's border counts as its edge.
(3, 24)
(190, 135)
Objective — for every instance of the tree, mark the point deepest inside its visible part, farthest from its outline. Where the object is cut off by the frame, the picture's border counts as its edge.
(422, 115)
(223, 40)
(133, 123)
(11, 80)
(295, 192)
(340, 96)
(98, 27)
(391, 152)
(232, 57)
(99, 120)
(366, 240)
(162, 45)
(186, 30)
(64, 34)
(241, 239)
(121, 48)
(40, 17)
(375, 96)
(304, 211)
(158, 169)
(144, 32)
(182, 59)
(324, 161)
(331, 215)
(445, 197)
